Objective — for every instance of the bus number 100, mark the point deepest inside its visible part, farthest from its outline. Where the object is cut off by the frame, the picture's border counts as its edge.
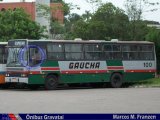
(148, 64)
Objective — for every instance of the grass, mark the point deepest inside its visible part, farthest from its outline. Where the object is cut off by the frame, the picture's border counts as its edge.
(154, 82)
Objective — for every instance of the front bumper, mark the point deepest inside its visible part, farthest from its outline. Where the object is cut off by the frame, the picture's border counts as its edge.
(16, 80)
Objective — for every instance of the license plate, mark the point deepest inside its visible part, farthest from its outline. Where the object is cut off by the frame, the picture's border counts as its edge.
(14, 79)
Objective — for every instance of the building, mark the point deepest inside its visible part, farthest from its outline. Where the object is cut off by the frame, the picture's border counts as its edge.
(29, 7)
(32, 9)
(157, 26)
(154, 24)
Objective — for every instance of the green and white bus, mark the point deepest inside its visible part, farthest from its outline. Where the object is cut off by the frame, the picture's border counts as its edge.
(78, 61)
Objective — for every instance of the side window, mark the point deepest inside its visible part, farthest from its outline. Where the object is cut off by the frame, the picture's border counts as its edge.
(74, 51)
(93, 51)
(108, 49)
(146, 52)
(138, 52)
(5, 54)
(1, 55)
(55, 51)
(130, 52)
(117, 52)
(112, 52)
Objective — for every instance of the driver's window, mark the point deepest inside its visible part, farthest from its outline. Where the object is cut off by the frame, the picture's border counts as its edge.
(34, 56)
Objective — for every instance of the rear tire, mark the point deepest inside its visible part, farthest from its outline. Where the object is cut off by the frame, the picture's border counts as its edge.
(116, 80)
(51, 82)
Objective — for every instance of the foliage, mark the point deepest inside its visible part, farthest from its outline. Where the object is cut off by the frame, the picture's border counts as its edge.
(114, 19)
(153, 36)
(107, 22)
(44, 10)
(70, 25)
(135, 10)
(94, 4)
(56, 28)
(154, 82)
(137, 30)
(17, 24)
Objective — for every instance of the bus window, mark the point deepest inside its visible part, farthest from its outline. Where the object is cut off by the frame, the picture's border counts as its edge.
(107, 48)
(55, 51)
(116, 48)
(35, 56)
(146, 52)
(93, 52)
(117, 55)
(5, 54)
(146, 56)
(1, 55)
(108, 52)
(148, 48)
(130, 52)
(74, 52)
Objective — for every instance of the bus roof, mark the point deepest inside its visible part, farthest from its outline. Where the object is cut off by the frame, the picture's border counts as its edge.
(93, 41)
(87, 41)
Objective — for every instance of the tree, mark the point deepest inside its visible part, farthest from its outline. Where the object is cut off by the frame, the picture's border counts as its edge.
(56, 30)
(153, 36)
(106, 23)
(70, 22)
(94, 4)
(113, 22)
(135, 10)
(17, 25)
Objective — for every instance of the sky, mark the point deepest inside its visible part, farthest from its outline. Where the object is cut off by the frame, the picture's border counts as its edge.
(118, 3)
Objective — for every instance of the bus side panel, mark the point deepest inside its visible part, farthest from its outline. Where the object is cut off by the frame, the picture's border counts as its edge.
(139, 70)
(114, 63)
(40, 78)
(49, 63)
(36, 79)
(132, 77)
(84, 78)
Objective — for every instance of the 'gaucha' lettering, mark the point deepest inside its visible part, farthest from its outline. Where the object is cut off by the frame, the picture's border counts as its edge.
(84, 65)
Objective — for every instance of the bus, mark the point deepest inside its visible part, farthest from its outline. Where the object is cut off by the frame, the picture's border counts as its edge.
(78, 61)
(3, 60)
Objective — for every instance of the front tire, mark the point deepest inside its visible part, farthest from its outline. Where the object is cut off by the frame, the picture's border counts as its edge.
(51, 82)
(116, 80)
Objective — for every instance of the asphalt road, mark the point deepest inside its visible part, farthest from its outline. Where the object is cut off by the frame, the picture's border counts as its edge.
(102, 100)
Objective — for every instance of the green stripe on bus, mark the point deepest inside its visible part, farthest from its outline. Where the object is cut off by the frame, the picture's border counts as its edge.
(50, 64)
(114, 63)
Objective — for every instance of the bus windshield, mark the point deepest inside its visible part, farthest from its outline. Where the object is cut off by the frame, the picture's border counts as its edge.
(13, 57)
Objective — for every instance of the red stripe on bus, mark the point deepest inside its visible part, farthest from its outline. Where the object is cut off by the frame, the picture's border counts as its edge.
(34, 72)
(141, 70)
(83, 71)
(50, 68)
(115, 67)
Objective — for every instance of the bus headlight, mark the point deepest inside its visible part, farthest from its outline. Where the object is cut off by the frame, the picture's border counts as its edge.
(7, 75)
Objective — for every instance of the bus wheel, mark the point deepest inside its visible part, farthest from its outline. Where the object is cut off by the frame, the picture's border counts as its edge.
(116, 80)
(51, 82)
